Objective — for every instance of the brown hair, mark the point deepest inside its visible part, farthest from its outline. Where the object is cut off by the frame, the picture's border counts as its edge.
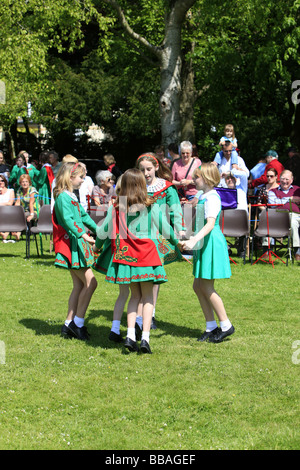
(162, 172)
(273, 170)
(2, 177)
(133, 187)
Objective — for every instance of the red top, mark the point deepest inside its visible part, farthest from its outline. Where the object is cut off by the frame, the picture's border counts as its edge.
(263, 178)
(127, 248)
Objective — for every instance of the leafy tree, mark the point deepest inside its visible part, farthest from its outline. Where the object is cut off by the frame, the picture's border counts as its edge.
(246, 65)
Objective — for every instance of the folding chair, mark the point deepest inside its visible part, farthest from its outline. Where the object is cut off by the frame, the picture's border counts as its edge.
(234, 223)
(44, 225)
(273, 223)
(12, 219)
(98, 214)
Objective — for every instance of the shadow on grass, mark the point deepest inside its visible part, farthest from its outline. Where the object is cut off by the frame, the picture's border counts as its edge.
(99, 334)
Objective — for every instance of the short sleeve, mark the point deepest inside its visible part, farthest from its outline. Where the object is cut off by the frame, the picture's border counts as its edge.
(212, 205)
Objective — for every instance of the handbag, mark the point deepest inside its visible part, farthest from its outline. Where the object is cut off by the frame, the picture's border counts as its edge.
(181, 190)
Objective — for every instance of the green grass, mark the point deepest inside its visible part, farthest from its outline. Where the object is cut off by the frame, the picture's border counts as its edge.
(60, 394)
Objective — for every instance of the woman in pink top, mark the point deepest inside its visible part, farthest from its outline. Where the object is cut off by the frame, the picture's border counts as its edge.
(182, 171)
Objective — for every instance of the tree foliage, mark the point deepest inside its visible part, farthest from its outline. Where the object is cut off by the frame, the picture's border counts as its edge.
(103, 62)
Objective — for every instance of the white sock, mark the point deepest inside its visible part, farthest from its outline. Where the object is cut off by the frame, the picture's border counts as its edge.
(298, 251)
(67, 322)
(78, 321)
(131, 333)
(153, 313)
(211, 325)
(116, 326)
(139, 320)
(225, 325)
(146, 336)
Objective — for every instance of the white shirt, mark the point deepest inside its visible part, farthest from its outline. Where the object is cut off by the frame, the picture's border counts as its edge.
(241, 176)
(212, 204)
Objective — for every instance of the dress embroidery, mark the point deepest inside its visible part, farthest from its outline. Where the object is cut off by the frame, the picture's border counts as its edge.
(78, 228)
(120, 252)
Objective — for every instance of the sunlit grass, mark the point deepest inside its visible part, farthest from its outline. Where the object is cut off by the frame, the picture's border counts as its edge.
(58, 394)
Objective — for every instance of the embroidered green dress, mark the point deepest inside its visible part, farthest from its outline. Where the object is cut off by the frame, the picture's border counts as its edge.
(210, 259)
(166, 196)
(71, 216)
(138, 254)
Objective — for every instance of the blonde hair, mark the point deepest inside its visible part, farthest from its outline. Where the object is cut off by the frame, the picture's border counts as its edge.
(63, 177)
(25, 177)
(209, 173)
(109, 159)
(229, 127)
(69, 159)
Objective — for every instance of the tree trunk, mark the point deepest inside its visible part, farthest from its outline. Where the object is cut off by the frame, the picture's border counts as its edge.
(170, 60)
(188, 99)
(169, 102)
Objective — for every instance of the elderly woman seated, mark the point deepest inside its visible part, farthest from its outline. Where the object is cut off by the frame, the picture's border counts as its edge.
(103, 192)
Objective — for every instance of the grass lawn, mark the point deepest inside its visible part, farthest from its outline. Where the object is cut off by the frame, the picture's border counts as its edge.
(187, 395)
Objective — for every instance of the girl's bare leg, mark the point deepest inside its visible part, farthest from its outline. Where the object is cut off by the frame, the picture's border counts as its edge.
(121, 301)
(133, 304)
(73, 299)
(147, 299)
(89, 285)
(205, 304)
(207, 291)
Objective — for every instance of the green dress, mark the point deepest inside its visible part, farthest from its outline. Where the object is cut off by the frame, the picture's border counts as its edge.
(71, 216)
(16, 172)
(140, 255)
(166, 196)
(210, 259)
(43, 186)
(33, 173)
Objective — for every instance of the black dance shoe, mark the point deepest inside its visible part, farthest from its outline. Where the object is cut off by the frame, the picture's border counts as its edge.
(131, 345)
(66, 332)
(207, 334)
(79, 333)
(145, 348)
(221, 335)
(117, 338)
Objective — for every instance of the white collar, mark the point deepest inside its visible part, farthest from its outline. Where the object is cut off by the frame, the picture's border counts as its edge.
(72, 195)
(158, 186)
